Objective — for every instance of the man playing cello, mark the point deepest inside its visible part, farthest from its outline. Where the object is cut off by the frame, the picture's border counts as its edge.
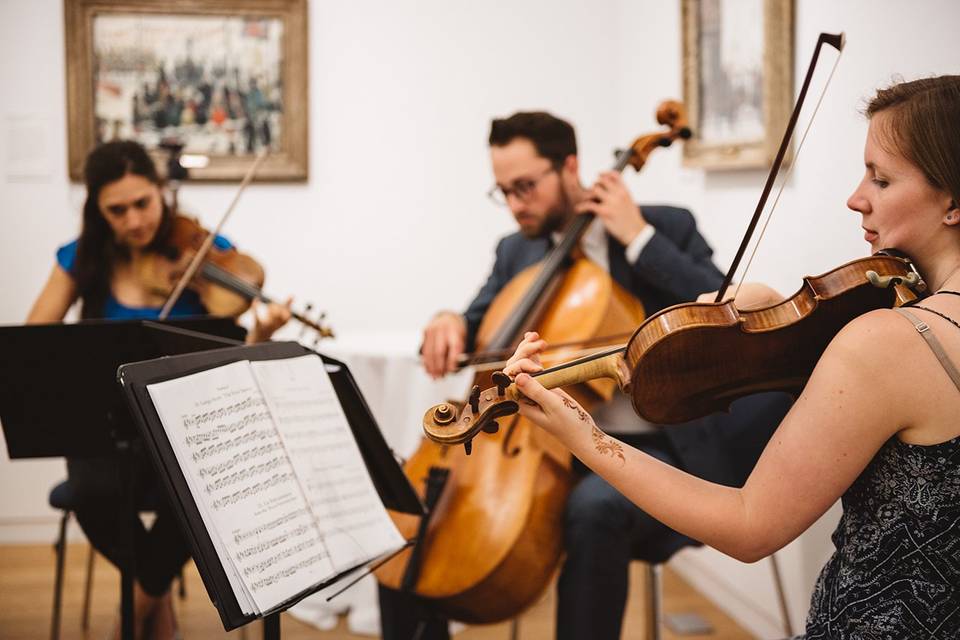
(658, 255)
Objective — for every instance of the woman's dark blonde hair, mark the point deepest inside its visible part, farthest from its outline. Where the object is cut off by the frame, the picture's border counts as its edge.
(923, 125)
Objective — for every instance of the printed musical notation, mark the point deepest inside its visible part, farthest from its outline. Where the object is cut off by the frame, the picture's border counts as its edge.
(276, 475)
(327, 460)
(243, 483)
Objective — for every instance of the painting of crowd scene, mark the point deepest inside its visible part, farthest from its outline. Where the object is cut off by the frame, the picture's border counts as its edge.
(210, 83)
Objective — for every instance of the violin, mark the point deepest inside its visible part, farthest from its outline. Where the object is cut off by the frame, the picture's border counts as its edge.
(693, 359)
(160, 271)
(226, 280)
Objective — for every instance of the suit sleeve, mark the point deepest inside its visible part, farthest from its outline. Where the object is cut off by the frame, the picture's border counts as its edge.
(496, 281)
(679, 263)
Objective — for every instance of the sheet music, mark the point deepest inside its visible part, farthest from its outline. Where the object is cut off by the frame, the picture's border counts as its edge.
(327, 460)
(227, 444)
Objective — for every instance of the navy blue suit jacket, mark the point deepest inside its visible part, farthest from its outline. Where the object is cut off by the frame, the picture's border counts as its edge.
(675, 266)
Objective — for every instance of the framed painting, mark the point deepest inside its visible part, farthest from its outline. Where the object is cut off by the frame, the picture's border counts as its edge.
(220, 81)
(737, 80)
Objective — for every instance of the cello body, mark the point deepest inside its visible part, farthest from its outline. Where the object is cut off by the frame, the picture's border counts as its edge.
(495, 535)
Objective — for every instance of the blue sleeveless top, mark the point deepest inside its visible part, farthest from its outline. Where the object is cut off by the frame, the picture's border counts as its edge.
(188, 304)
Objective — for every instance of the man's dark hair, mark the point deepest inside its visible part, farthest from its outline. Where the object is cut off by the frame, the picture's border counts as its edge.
(553, 138)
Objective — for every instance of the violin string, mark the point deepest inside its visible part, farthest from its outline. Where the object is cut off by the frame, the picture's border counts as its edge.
(783, 182)
(232, 282)
(494, 366)
(499, 356)
(208, 241)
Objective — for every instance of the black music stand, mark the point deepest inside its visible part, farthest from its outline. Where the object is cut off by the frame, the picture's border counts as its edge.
(59, 398)
(388, 478)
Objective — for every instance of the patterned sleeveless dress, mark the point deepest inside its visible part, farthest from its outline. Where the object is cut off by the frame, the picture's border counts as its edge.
(895, 574)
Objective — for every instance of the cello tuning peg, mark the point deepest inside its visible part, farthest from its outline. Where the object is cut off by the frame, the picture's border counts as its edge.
(468, 446)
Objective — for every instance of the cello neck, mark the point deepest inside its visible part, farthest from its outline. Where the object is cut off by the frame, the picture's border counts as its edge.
(555, 261)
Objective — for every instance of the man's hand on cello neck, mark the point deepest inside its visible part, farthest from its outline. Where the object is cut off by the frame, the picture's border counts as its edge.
(611, 201)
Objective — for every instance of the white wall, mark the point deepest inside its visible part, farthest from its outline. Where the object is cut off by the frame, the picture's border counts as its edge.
(394, 224)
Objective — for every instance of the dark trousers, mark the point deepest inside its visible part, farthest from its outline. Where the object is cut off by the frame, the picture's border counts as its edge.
(158, 553)
(603, 531)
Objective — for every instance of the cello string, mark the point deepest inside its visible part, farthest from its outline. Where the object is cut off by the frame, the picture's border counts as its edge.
(783, 182)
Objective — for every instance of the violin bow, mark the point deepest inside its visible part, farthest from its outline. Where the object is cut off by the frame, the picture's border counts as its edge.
(208, 241)
(836, 41)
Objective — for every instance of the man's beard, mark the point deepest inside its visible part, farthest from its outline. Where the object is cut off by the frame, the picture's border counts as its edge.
(555, 219)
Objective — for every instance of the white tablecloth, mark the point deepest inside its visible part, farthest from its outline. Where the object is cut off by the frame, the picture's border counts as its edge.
(387, 369)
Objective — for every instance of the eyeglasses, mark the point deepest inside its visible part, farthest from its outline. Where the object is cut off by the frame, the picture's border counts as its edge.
(522, 189)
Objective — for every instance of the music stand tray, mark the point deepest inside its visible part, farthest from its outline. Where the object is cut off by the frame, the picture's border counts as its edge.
(58, 392)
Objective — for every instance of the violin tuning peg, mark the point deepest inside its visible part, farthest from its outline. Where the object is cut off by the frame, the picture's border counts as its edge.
(491, 427)
(475, 398)
(665, 142)
(502, 381)
(686, 133)
(468, 446)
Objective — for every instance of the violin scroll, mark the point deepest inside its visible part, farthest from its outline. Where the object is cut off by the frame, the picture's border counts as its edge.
(443, 424)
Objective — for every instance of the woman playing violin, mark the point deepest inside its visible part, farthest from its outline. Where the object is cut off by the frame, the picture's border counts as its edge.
(876, 425)
(126, 220)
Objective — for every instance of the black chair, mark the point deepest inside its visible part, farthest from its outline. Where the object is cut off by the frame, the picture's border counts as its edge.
(63, 497)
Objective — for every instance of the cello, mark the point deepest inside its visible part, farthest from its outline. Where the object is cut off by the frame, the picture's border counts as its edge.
(491, 539)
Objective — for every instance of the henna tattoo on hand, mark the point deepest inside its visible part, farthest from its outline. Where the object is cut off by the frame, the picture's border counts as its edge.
(580, 412)
(604, 444)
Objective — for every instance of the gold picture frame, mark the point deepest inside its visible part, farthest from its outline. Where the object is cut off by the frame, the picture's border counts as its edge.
(226, 78)
(738, 118)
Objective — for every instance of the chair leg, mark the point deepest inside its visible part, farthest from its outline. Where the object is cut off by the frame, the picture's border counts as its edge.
(515, 629)
(652, 612)
(61, 550)
(781, 595)
(87, 589)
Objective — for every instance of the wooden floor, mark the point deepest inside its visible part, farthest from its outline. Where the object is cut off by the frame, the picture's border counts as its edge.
(26, 598)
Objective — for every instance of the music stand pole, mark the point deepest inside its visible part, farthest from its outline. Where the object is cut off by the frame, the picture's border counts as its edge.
(271, 626)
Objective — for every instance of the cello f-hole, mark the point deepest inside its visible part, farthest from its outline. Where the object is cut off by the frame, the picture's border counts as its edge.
(507, 439)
